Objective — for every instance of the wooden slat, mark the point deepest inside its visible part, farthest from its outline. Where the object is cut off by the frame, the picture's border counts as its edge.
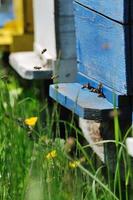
(81, 101)
(102, 49)
(65, 24)
(66, 45)
(64, 8)
(65, 71)
(116, 10)
(24, 64)
(44, 27)
(115, 98)
(65, 29)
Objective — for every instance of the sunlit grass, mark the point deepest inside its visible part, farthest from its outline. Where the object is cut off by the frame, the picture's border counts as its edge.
(35, 163)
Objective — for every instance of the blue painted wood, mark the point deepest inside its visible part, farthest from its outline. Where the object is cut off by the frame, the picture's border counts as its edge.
(112, 96)
(102, 53)
(6, 14)
(117, 10)
(4, 18)
(102, 49)
(80, 101)
(109, 94)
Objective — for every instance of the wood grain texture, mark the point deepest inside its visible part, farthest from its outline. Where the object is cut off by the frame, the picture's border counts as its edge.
(115, 98)
(66, 24)
(64, 8)
(67, 45)
(118, 10)
(80, 101)
(65, 29)
(65, 71)
(102, 49)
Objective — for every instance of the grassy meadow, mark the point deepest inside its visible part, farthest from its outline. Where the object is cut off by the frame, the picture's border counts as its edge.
(37, 164)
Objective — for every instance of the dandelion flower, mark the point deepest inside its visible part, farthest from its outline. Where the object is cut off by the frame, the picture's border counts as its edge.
(74, 164)
(31, 121)
(51, 154)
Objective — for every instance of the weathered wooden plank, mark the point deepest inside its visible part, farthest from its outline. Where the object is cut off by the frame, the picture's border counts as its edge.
(64, 8)
(44, 27)
(65, 71)
(118, 10)
(66, 44)
(91, 132)
(81, 101)
(103, 49)
(65, 24)
(29, 66)
(115, 98)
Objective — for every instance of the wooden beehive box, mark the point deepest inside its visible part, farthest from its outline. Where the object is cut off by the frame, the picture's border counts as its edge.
(104, 56)
(104, 60)
(53, 30)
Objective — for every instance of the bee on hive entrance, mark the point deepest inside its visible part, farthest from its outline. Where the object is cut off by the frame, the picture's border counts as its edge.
(43, 51)
(37, 67)
(88, 86)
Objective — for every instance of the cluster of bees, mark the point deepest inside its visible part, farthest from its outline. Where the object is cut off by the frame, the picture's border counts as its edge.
(98, 90)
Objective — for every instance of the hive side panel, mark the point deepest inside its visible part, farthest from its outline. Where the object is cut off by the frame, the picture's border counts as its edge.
(102, 49)
(117, 10)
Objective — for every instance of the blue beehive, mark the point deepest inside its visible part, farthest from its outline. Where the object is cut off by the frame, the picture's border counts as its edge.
(6, 12)
(104, 60)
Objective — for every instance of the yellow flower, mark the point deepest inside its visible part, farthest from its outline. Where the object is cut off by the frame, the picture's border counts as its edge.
(74, 164)
(51, 154)
(31, 121)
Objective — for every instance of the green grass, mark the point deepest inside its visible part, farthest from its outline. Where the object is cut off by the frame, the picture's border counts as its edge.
(27, 173)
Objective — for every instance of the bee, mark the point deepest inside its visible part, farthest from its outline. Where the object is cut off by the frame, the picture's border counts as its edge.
(37, 67)
(88, 86)
(100, 92)
(43, 51)
(67, 75)
(101, 95)
(99, 88)
(95, 90)
(54, 77)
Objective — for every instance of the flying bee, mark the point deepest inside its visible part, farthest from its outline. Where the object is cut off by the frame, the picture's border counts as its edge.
(37, 67)
(43, 51)
(67, 75)
(54, 77)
